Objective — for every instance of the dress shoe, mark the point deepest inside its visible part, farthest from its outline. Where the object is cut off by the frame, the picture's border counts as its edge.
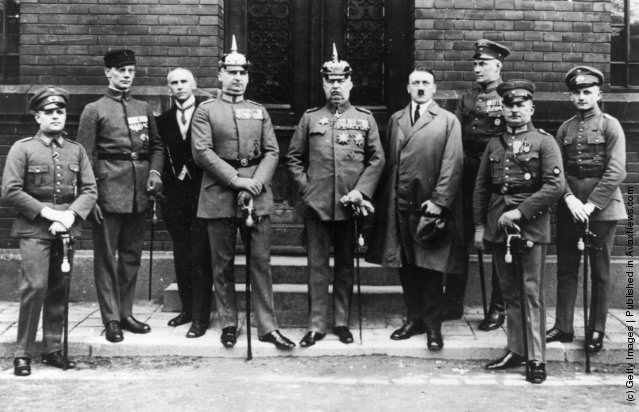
(344, 335)
(135, 326)
(197, 329)
(556, 335)
(509, 360)
(280, 341)
(408, 329)
(435, 342)
(493, 320)
(595, 343)
(113, 331)
(229, 336)
(536, 372)
(310, 338)
(56, 359)
(180, 319)
(22, 366)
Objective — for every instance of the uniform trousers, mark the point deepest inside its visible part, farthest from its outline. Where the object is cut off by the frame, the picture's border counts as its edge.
(568, 258)
(320, 235)
(41, 289)
(191, 257)
(115, 279)
(222, 235)
(532, 266)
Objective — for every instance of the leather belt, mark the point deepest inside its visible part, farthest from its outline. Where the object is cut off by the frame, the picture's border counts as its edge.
(512, 190)
(123, 156)
(58, 200)
(237, 163)
(581, 172)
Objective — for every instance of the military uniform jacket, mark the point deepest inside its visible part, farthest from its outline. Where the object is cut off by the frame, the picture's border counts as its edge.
(521, 169)
(479, 111)
(117, 124)
(593, 147)
(40, 172)
(181, 177)
(231, 139)
(331, 155)
(423, 162)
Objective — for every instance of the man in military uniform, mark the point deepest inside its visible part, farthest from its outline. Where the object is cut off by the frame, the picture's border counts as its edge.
(182, 179)
(520, 177)
(424, 161)
(335, 157)
(120, 135)
(48, 179)
(479, 111)
(234, 143)
(593, 147)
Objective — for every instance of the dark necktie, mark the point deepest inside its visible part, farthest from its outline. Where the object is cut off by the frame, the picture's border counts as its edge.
(182, 110)
(416, 115)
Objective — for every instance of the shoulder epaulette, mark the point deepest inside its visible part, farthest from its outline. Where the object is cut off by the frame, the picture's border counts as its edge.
(212, 99)
(253, 102)
(66, 139)
(609, 117)
(361, 109)
(25, 139)
(542, 131)
(312, 109)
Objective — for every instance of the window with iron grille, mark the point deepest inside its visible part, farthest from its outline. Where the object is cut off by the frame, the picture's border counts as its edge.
(624, 50)
(9, 40)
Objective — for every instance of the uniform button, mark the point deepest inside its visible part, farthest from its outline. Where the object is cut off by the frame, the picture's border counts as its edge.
(59, 167)
(58, 182)
(57, 190)
(506, 176)
(506, 167)
(59, 174)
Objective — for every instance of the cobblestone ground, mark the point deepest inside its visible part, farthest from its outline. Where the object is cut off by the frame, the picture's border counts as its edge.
(367, 383)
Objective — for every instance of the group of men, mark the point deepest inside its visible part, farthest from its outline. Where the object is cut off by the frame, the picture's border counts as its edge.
(210, 165)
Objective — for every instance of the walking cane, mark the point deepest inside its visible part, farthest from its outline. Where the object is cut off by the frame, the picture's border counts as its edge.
(249, 222)
(65, 268)
(359, 243)
(480, 258)
(584, 244)
(517, 243)
(154, 219)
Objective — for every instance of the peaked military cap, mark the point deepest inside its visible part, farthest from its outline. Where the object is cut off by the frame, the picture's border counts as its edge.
(583, 76)
(335, 68)
(49, 95)
(518, 90)
(488, 50)
(118, 58)
(234, 58)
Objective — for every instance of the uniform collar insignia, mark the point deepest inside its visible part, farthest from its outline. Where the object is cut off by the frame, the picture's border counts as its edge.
(118, 94)
(232, 99)
(517, 130)
(48, 140)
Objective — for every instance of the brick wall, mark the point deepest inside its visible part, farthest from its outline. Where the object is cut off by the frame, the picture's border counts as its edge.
(546, 37)
(66, 39)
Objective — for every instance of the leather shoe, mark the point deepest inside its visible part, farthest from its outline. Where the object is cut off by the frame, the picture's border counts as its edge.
(22, 366)
(595, 343)
(535, 371)
(229, 336)
(556, 335)
(280, 341)
(180, 319)
(344, 335)
(310, 338)
(493, 320)
(509, 360)
(435, 342)
(135, 326)
(197, 329)
(56, 359)
(408, 329)
(113, 331)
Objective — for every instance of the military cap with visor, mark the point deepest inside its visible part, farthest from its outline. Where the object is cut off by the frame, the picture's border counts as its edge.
(515, 91)
(118, 58)
(583, 76)
(49, 97)
(489, 50)
(234, 59)
(335, 69)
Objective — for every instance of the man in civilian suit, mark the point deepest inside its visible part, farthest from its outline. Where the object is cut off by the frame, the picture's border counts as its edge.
(182, 179)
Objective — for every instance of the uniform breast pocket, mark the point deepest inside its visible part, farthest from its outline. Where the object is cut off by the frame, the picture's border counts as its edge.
(596, 145)
(73, 177)
(496, 166)
(37, 174)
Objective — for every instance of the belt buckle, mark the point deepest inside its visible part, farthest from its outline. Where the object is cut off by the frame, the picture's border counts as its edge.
(134, 155)
(244, 162)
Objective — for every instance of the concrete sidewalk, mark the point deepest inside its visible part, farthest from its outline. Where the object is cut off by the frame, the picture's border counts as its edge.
(462, 340)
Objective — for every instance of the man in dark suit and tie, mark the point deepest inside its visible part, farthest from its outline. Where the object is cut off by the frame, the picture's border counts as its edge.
(182, 179)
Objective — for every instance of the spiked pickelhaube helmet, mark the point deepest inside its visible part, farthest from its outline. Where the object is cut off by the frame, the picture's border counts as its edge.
(234, 58)
(335, 68)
